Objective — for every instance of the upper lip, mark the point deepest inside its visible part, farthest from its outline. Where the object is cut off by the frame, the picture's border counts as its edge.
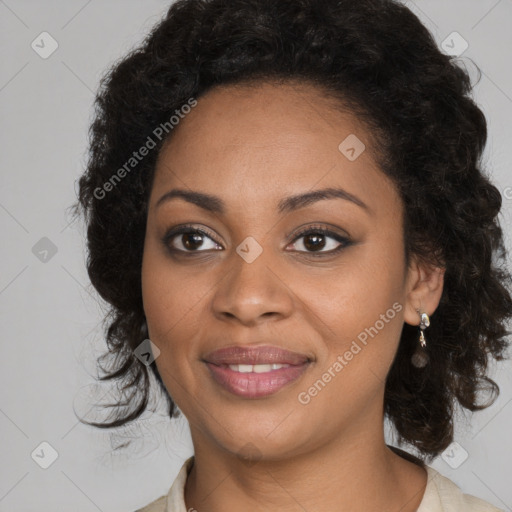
(267, 354)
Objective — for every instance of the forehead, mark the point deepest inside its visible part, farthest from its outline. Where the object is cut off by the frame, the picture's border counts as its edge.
(266, 139)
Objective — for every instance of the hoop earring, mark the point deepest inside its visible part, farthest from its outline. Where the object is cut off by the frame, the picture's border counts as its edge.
(420, 358)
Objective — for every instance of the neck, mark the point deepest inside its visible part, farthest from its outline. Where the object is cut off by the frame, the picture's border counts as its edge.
(356, 471)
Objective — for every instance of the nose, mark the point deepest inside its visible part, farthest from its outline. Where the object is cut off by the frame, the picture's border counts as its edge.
(254, 292)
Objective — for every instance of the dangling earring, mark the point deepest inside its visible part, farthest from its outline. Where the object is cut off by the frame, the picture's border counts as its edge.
(421, 358)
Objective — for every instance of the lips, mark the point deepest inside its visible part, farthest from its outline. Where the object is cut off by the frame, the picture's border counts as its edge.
(255, 372)
(255, 355)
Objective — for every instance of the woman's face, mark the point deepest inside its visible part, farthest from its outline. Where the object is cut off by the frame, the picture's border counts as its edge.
(337, 299)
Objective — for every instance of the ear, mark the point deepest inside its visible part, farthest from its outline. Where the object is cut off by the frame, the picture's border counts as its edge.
(424, 287)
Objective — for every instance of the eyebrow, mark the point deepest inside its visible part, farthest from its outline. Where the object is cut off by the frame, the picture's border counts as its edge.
(217, 205)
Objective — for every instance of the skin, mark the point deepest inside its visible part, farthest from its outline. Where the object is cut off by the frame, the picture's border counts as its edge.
(252, 147)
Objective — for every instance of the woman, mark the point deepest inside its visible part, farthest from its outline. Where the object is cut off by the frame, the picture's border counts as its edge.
(287, 215)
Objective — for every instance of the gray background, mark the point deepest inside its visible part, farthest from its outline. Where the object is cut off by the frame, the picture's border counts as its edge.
(50, 314)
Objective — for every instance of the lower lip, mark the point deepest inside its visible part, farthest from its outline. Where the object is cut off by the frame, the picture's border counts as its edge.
(255, 385)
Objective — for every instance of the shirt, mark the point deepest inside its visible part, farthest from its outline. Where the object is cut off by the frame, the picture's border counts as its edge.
(441, 495)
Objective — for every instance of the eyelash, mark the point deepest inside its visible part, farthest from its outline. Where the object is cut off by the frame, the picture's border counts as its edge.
(319, 230)
(316, 230)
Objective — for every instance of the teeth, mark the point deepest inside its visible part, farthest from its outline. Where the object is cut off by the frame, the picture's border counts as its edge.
(256, 368)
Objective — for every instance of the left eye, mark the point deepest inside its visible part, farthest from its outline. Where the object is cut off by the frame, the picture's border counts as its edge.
(314, 240)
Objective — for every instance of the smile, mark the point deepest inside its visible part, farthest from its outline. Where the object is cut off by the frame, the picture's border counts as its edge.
(255, 381)
(256, 368)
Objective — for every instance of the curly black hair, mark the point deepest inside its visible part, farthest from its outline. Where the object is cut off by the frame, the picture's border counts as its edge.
(375, 56)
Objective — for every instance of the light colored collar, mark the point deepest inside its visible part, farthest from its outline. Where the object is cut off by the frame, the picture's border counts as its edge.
(176, 496)
(441, 495)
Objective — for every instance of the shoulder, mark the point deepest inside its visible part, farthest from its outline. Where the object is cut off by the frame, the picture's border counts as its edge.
(155, 506)
(174, 500)
(443, 495)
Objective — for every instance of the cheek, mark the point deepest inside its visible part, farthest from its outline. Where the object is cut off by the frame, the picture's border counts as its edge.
(367, 284)
(360, 307)
(172, 300)
(172, 305)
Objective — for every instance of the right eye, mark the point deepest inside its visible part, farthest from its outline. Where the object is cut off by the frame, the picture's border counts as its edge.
(189, 239)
